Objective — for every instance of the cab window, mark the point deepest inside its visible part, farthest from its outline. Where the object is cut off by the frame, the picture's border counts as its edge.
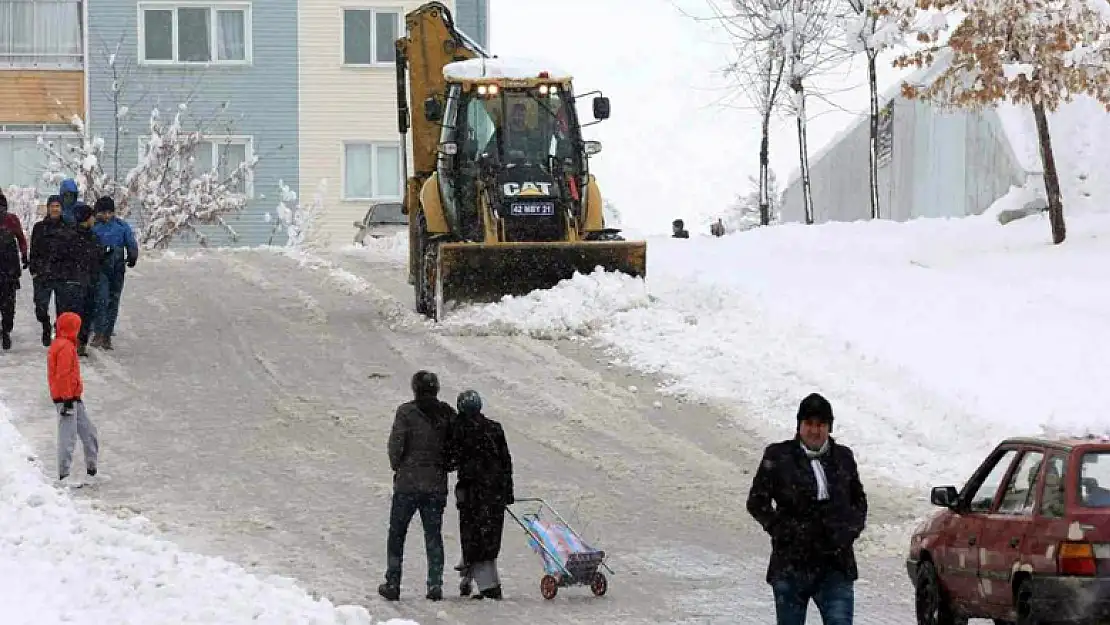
(1021, 488)
(1094, 480)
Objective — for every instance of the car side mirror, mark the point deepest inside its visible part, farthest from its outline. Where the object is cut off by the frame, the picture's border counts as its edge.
(944, 496)
(591, 147)
(433, 110)
(601, 108)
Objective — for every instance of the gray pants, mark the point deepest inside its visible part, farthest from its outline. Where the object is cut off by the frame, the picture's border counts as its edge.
(483, 574)
(70, 428)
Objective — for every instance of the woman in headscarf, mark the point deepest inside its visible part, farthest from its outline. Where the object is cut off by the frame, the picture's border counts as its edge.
(483, 489)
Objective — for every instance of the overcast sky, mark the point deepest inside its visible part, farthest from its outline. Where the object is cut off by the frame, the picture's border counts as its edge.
(674, 147)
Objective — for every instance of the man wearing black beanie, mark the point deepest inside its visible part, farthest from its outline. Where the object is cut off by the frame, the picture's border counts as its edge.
(819, 510)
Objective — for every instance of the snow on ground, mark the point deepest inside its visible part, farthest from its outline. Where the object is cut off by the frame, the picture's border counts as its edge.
(934, 339)
(64, 561)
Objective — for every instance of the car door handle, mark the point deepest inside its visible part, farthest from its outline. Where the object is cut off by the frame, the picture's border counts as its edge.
(1014, 541)
(971, 540)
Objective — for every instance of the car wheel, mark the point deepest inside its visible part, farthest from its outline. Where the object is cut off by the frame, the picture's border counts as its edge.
(1023, 604)
(931, 602)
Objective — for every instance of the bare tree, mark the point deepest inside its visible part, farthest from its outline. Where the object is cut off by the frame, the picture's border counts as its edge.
(869, 29)
(1036, 52)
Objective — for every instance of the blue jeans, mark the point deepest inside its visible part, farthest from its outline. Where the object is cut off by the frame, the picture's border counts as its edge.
(405, 506)
(832, 591)
(108, 291)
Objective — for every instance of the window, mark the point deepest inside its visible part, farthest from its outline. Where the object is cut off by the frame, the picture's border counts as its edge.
(1094, 479)
(983, 498)
(371, 171)
(1055, 488)
(369, 36)
(22, 162)
(1021, 490)
(194, 33)
(41, 34)
(226, 154)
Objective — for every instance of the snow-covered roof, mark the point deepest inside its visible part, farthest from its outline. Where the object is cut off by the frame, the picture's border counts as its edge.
(509, 68)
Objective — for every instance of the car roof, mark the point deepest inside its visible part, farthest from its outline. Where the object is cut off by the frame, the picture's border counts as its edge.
(1064, 443)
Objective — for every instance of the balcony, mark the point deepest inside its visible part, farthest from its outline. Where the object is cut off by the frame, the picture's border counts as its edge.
(41, 35)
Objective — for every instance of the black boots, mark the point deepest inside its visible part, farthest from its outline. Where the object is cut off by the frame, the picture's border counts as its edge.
(390, 592)
(491, 593)
(47, 333)
(6, 338)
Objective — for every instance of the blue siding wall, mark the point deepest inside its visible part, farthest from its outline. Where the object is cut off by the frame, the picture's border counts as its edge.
(261, 99)
(472, 17)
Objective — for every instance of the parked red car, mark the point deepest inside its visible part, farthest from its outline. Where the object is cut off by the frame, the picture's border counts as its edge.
(1026, 541)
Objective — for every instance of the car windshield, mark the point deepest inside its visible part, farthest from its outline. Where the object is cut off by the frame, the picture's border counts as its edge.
(1094, 479)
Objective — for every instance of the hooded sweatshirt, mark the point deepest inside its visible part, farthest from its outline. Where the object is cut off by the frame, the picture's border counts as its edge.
(63, 369)
(69, 211)
(11, 223)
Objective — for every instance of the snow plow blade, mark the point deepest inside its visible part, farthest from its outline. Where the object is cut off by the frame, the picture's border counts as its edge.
(485, 272)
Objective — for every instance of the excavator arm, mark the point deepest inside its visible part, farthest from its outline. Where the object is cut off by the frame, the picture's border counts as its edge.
(431, 42)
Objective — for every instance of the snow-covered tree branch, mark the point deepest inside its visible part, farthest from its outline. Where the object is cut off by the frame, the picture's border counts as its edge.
(23, 202)
(297, 220)
(83, 161)
(749, 209)
(174, 194)
(1035, 52)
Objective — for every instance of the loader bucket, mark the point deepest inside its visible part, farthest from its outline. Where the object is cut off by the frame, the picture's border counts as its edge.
(484, 272)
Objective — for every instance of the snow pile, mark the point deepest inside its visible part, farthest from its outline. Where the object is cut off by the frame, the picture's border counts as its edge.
(516, 68)
(571, 308)
(934, 339)
(391, 248)
(61, 561)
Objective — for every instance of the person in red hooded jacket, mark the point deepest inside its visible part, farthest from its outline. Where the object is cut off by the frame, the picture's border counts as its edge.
(63, 371)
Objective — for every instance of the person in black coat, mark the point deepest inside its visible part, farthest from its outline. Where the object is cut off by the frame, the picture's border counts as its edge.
(43, 280)
(418, 455)
(75, 257)
(11, 268)
(483, 489)
(819, 511)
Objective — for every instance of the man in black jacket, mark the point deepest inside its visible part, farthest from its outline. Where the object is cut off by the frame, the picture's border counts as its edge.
(418, 446)
(75, 264)
(11, 268)
(43, 280)
(819, 511)
(484, 488)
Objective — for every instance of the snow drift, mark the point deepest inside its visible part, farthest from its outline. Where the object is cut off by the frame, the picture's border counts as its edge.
(62, 561)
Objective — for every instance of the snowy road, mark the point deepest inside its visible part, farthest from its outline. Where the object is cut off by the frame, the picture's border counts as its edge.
(246, 408)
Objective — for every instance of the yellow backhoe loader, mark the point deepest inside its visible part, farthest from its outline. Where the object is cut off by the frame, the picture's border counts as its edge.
(501, 200)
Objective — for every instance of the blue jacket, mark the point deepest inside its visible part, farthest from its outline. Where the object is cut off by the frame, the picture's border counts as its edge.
(116, 234)
(69, 211)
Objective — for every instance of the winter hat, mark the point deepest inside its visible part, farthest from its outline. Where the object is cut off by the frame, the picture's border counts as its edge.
(81, 213)
(105, 205)
(53, 199)
(814, 406)
(425, 384)
(469, 403)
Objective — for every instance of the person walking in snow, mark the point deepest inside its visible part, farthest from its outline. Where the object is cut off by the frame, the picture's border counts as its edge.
(418, 445)
(120, 252)
(63, 371)
(11, 223)
(43, 275)
(75, 265)
(71, 201)
(484, 488)
(819, 511)
(11, 268)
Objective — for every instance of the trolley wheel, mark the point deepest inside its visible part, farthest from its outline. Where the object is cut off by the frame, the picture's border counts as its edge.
(599, 585)
(549, 587)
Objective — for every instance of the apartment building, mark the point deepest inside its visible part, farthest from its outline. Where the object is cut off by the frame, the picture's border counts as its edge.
(42, 82)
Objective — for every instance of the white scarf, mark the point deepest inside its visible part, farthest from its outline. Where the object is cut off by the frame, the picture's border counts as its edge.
(818, 469)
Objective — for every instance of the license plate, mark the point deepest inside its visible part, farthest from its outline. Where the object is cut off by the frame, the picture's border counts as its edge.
(543, 209)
